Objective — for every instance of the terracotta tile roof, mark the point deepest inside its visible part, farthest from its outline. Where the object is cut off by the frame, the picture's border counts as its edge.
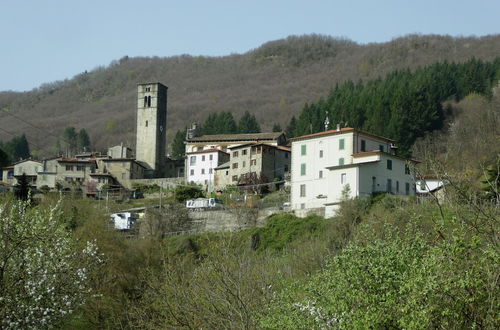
(342, 131)
(73, 160)
(206, 151)
(118, 159)
(237, 137)
(260, 144)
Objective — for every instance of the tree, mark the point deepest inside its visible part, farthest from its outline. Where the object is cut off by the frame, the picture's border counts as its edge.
(70, 138)
(248, 124)
(183, 193)
(18, 148)
(178, 147)
(4, 158)
(44, 275)
(290, 129)
(277, 128)
(83, 140)
(22, 188)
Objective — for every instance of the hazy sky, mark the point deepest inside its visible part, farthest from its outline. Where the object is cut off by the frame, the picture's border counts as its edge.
(48, 40)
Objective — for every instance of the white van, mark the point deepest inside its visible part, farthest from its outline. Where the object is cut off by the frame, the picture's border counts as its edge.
(124, 220)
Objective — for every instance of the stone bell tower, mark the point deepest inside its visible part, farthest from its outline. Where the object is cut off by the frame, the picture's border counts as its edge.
(151, 127)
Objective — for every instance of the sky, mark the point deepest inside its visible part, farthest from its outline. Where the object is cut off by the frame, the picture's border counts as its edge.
(48, 40)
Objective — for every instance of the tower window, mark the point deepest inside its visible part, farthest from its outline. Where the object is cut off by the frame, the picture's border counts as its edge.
(148, 89)
(146, 123)
(149, 101)
(145, 101)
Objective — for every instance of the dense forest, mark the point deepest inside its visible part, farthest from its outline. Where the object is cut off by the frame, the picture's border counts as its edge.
(275, 79)
(404, 105)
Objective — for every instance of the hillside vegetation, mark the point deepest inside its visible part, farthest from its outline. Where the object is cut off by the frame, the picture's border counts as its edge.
(277, 78)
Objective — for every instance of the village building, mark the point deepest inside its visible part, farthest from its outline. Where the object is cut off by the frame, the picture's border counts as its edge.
(200, 166)
(257, 163)
(121, 170)
(344, 163)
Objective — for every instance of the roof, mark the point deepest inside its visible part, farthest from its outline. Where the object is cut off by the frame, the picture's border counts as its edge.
(27, 160)
(376, 152)
(100, 174)
(260, 144)
(341, 131)
(337, 167)
(206, 151)
(118, 159)
(73, 160)
(222, 166)
(237, 137)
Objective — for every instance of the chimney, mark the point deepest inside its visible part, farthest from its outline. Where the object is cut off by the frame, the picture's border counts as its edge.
(338, 127)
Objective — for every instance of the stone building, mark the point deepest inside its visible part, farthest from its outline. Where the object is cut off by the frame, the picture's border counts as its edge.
(151, 127)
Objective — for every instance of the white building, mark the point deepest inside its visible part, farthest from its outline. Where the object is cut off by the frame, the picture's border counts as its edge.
(200, 166)
(327, 164)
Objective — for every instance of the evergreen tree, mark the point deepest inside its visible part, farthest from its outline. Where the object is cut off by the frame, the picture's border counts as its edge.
(83, 140)
(219, 123)
(70, 139)
(178, 147)
(4, 157)
(22, 188)
(290, 129)
(248, 124)
(18, 148)
(277, 128)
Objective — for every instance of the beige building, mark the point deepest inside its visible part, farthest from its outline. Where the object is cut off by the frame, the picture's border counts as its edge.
(225, 141)
(122, 170)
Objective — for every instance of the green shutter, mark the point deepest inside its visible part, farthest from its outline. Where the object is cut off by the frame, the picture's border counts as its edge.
(341, 144)
(303, 169)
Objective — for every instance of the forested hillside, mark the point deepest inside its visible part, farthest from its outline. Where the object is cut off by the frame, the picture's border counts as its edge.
(272, 82)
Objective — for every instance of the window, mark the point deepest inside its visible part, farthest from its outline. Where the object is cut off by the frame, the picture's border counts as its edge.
(253, 162)
(303, 150)
(149, 101)
(199, 148)
(206, 182)
(302, 190)
(146, 124)
(389, 185)
(235, 178)
(407, 169)
(422, 185)
(69, 167)
(389, 164)
(235, 153)
(191, 172)
(203, 158)
(192, 160)
(123, 176)
(321, 154)
(341, 161)
(244, 152)
(80, 167)
(243, 164)
(343, 178)
(320, 174)
(202, 171)
(209, 171)
(397, 187)
(227, 172)
(286, 168)
(341, 144)
(381, 148)
(211, 157)
(235, 165)
(145, 101)
(303, 169)
(10, 174)
(302, 206)
(407, 188)
(363, 145)
(148, 89)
